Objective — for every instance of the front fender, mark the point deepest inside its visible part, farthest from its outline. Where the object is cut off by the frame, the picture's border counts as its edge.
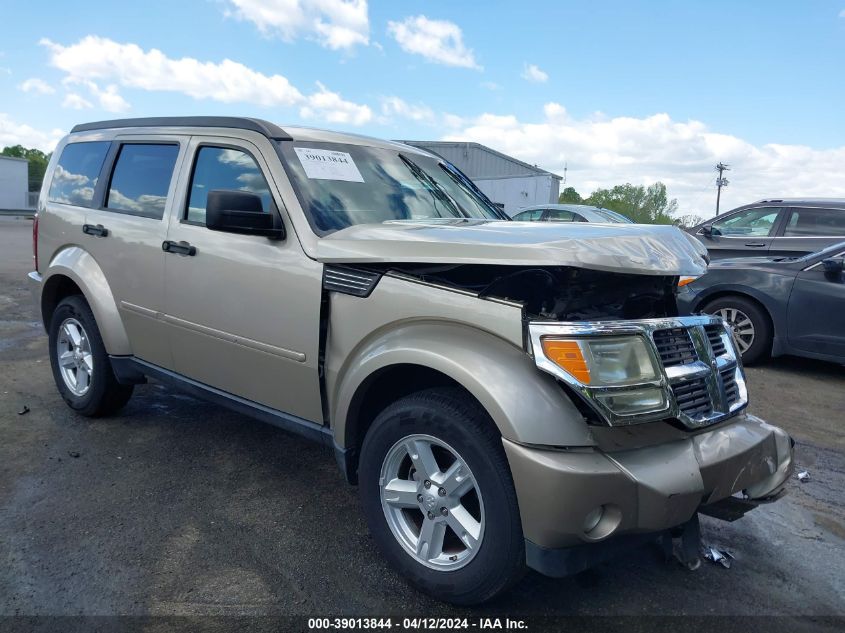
(527, 405)
(78, 265)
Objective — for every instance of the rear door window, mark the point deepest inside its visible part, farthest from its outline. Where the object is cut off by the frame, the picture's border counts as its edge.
(141, 179)
(559, 215)
(224, 168)
(815, 222)
(75, 176)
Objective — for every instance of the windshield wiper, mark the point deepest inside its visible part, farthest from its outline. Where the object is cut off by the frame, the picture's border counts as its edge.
(431, 185)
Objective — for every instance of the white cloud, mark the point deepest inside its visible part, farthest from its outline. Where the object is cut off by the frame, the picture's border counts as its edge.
(37, 86)
(395, 106)
(329, 106)
(75, 101)
(602, 152)
(532, 73)
(95, 60)
(14, 133)
(438, 41)
(108, 98)
(335, 24)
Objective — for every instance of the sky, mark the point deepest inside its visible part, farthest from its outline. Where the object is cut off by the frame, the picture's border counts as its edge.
(606, 91)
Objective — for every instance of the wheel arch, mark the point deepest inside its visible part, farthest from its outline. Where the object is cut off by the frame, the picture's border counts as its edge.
(74, 271)
(748, 296)
(525, 404)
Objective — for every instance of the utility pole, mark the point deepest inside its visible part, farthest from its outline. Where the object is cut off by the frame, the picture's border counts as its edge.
(720, 182)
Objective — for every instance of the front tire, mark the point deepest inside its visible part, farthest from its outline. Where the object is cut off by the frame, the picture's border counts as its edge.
(748, 323)
(439, 499)
(81, 366)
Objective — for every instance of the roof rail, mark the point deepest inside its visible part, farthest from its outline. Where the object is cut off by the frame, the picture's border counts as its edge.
(270, 130)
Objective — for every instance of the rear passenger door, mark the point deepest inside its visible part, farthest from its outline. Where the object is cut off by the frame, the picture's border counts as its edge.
(809, 229)
(124, 231)
(243, 310)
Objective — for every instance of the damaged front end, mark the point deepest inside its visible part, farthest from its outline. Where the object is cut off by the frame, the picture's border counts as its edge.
(663, 397)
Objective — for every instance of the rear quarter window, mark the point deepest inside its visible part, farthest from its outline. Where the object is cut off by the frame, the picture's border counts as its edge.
(75, 176)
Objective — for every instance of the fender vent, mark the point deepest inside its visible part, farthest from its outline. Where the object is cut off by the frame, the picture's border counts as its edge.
(358, 283)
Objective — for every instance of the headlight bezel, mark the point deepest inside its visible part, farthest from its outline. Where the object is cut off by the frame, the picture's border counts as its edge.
(707, 366)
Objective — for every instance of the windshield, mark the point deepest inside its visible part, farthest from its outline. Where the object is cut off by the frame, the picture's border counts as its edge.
(341, 185)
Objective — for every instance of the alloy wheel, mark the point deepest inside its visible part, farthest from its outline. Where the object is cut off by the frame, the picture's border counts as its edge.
(740, 325)
(76, 362)
(432, 502)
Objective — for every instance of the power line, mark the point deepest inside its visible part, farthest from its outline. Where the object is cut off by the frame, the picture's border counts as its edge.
(720, 182)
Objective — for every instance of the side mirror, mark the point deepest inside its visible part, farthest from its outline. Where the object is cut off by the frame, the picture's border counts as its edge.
(833, 266)
(240, 212)
(707, 230)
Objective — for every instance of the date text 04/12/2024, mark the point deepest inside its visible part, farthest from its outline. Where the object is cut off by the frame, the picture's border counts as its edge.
(416, 624)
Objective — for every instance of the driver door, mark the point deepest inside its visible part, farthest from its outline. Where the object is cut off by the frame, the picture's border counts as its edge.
(746, 233)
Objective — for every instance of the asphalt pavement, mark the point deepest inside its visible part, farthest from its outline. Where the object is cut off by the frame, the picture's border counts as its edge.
(178, 507)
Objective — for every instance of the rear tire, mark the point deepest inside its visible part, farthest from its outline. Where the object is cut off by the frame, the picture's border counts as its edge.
(473, 547)
(749, 324)
(81, 367)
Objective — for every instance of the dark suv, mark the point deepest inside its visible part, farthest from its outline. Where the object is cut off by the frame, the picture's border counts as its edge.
(777, 227)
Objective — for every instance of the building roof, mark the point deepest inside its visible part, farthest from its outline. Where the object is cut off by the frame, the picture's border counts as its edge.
(23, 160)
(479, 161)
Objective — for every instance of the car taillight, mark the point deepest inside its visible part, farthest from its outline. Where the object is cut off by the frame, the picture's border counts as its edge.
(35, 241)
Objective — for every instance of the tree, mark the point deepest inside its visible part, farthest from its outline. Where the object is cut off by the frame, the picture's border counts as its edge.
(570, 196)
(644, 205)
(37, 163)
(688, 221)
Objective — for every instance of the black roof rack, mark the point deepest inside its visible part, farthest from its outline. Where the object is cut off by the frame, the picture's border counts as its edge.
(270, 130)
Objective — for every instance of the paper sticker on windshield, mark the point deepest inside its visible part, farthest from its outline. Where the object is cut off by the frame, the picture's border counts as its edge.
(326, 164)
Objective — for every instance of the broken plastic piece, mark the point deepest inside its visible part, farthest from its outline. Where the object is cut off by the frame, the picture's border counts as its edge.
(717, 556)
(804, 475)
(24, 411)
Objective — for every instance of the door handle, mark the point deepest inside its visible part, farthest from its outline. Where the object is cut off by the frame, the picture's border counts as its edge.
(97, 231)
(755, 244)
(179, 248)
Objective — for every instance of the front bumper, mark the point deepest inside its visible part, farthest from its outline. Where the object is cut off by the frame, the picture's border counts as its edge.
(644, 490)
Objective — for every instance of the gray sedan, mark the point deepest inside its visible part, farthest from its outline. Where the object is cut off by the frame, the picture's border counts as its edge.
(570, 213)
(776, 305)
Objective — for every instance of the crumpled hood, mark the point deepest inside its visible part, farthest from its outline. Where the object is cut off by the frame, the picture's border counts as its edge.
(625, 248)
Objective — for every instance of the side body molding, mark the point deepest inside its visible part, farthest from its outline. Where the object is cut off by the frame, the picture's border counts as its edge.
(78, 265)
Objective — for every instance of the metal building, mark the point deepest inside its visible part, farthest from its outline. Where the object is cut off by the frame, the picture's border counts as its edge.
(506, 180)
(14, 183)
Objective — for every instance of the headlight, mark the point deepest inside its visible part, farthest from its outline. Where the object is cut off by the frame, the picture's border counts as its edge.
(603, 361)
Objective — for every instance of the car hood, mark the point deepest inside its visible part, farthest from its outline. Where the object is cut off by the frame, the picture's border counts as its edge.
(625, 248)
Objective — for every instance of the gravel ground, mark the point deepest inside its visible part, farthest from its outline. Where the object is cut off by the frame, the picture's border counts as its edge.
(178, 507)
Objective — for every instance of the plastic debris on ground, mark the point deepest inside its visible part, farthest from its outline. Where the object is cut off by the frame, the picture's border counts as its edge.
(804, 476)
(723, 558)
(24, 411)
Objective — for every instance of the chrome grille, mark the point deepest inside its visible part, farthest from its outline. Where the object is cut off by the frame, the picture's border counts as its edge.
(693, 397)
(674, 346)
(359, 283)
(714, 336)
(731, 389)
